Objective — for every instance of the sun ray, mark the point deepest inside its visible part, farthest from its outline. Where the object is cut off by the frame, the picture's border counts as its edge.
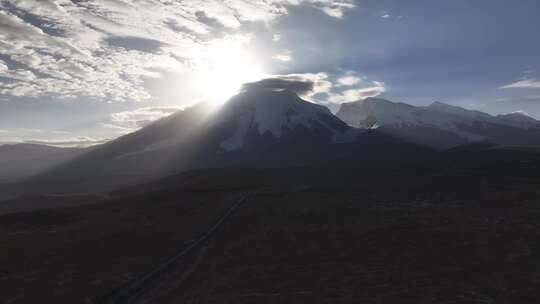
(225, 65)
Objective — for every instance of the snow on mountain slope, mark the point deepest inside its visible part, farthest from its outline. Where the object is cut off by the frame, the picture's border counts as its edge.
(519, 120)
(375, 112)
(272, 113)
(460, 113)
(255, 119)
(250, 114)
(453, 125)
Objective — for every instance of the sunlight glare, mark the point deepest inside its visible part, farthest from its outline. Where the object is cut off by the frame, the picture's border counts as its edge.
(225, 66)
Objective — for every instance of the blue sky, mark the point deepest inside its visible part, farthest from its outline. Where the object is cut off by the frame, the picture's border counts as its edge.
(83, 72)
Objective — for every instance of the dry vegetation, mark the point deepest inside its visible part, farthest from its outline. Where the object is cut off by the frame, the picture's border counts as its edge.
(72, 255)
(369, 238)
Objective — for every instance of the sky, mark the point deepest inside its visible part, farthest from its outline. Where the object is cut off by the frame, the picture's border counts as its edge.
(76, 73)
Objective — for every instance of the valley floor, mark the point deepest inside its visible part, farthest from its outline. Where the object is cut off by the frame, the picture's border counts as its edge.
(332, 248)
(374, 239)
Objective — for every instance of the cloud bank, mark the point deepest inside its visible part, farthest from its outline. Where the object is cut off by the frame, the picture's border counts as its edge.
(318, 87)
(57, 138)
(523, 84)
(77, 142)
(129, 121)
(301, 84)
(106, 49)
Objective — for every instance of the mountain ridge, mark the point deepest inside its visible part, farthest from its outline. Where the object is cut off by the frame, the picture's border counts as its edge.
(256, 128)
(439, 125)
(24, 160)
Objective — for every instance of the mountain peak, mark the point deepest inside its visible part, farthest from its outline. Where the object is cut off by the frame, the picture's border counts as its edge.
(517, 114)
(439, 124)
(439, 104)
(459, 111)
(268, 112)
(374, 100)
(519, 119)
(374, 112)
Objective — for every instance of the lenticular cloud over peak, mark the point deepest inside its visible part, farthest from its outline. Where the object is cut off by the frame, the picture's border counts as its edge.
(302, 84)
(321, 88)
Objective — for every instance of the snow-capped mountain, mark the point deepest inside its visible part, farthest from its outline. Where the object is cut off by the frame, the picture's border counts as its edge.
(246, 130)
(256, 128)
(519, 120)
(252, 118)
(440, 125)
(275, 116)
(515, 119)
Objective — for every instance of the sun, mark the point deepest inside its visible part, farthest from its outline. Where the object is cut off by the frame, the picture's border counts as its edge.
(225, 65)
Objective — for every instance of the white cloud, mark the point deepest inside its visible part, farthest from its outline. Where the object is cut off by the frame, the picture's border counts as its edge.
(284, 56)
(532, 97)
(334, 8)
(386, 16)
(349, 80)
(317, 87)
(129, 121)
(349, 95)
(76, 142)
(305, 85)
(82, 48)
(276, 37)
(41, 131)
(522, 113)
(523, 84)
(51, 137)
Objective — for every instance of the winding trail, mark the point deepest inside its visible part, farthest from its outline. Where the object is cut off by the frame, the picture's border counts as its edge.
(130, 292)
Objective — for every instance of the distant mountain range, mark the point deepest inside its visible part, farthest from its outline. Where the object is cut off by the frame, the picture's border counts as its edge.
(269, 128)
(256, 128)
(19, 161)
(440, 125)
